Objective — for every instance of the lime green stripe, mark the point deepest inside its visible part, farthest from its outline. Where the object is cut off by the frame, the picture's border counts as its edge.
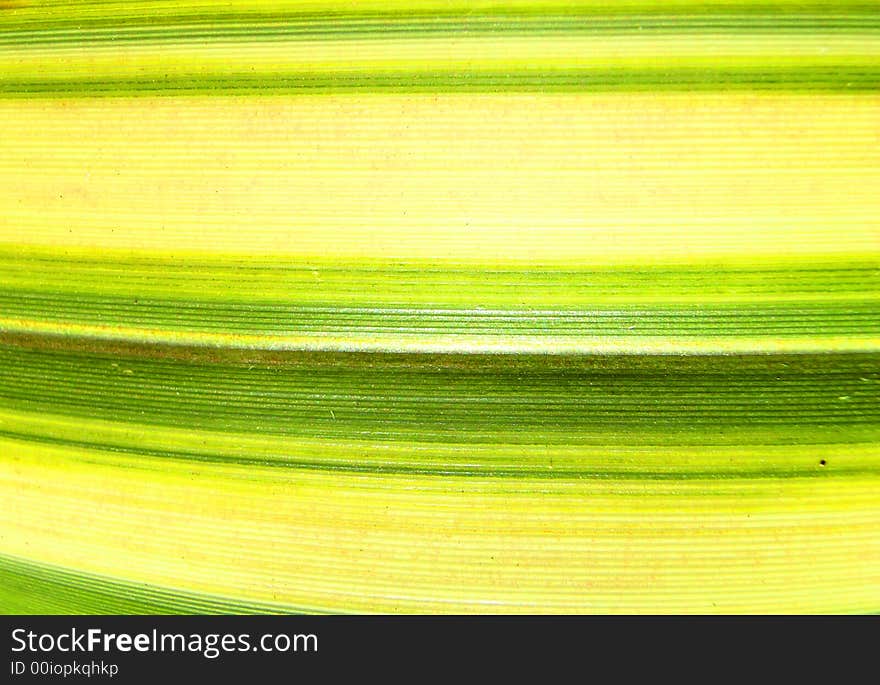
(81, 275)
(446, 57)
(274, 303)
(44, 15)
(28, 587)
(140, 443)
(471, 398)
(277, 321)
(825, 78)
(295, 28)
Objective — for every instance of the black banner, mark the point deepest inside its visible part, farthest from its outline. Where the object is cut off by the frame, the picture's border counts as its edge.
(144, 648)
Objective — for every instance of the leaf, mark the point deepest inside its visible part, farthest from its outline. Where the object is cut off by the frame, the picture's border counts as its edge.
(424, 306)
